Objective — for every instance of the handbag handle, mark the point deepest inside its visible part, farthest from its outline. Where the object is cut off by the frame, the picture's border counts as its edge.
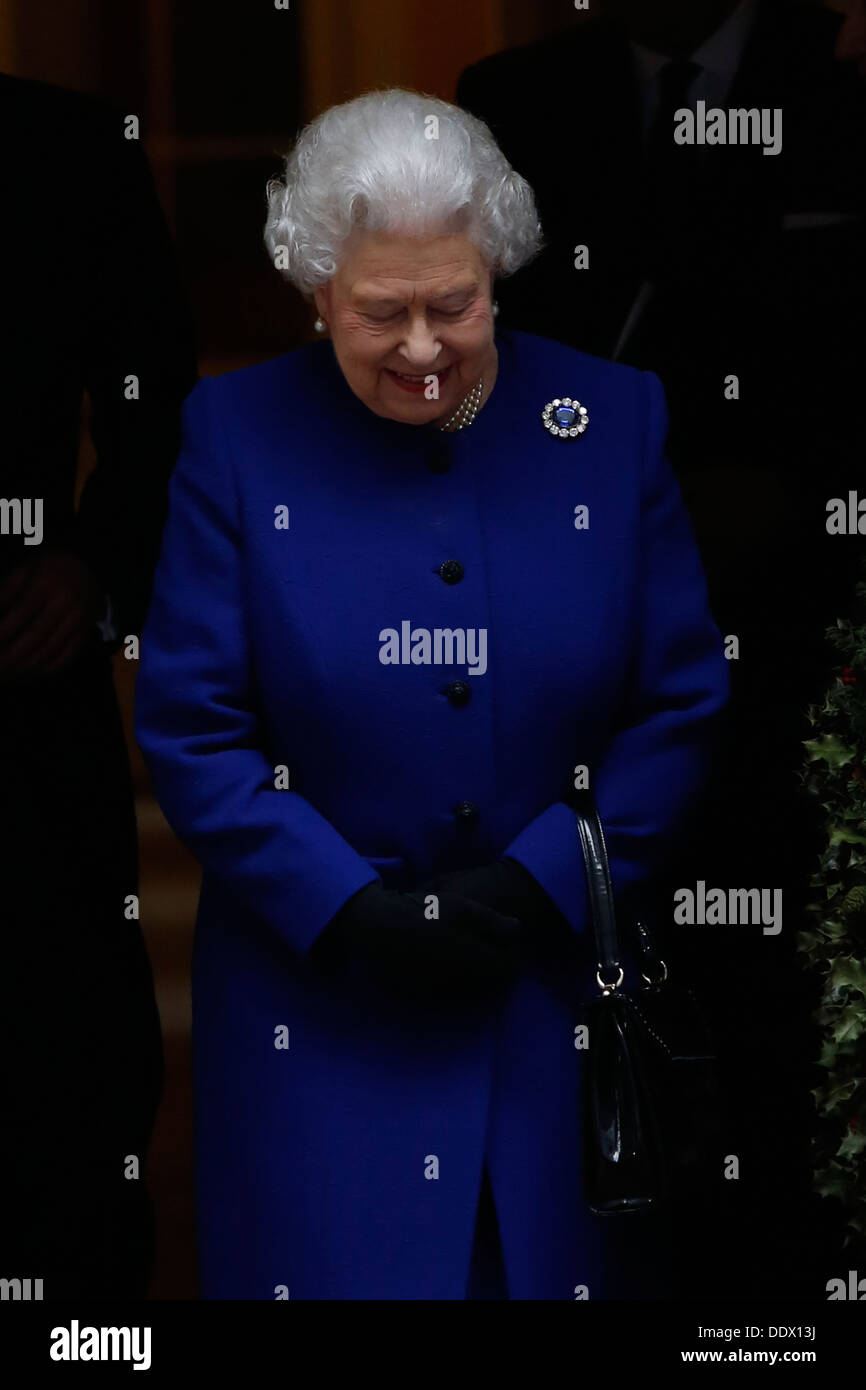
(610, 972)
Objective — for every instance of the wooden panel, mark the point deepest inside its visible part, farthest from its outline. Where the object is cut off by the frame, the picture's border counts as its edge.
(59, 44)
(524, 22)
(350, 48)
(8, 39)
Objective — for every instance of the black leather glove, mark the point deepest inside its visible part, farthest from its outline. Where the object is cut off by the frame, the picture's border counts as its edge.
(507, 888)
(469, 949)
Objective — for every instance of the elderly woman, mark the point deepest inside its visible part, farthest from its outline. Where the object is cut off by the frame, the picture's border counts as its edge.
(414, 576)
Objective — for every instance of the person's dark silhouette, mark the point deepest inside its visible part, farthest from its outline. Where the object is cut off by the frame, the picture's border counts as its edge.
(91, 303)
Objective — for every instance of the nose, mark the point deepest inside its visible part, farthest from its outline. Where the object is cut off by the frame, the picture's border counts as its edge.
(420, 347)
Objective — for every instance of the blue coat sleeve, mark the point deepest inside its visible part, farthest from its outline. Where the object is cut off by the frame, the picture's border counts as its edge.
(195, 719)
(659, 754)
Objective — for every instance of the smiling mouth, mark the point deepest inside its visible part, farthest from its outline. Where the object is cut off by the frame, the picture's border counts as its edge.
(415, 381)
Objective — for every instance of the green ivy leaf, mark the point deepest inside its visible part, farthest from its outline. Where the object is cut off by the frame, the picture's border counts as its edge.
(852, 1145)
(854, 903)
(830, 1183)
(833, 930)
(830, 1097)
(849, 1027)
(842, 836)
(848, 973)
(830, 749)
(828, 1055)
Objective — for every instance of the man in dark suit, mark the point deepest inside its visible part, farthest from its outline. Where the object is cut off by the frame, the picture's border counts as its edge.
(702, 263)
(91, 303)
(733, 270)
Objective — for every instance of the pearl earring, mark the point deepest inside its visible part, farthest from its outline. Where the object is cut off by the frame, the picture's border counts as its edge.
(320, 325)
(495, 308)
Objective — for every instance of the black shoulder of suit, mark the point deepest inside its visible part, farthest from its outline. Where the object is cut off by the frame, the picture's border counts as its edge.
(542, 64)
(785, 36)
(32, 112)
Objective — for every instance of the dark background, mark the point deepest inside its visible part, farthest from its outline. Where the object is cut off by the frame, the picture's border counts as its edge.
(220, 89)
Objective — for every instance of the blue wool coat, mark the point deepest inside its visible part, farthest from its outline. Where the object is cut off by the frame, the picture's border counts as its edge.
(340, 1133)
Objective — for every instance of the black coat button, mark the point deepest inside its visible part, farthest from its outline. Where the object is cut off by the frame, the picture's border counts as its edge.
(459, 692)
(451, 571)
(466, 813)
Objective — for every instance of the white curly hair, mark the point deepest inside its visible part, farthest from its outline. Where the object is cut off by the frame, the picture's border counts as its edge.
(396, 161)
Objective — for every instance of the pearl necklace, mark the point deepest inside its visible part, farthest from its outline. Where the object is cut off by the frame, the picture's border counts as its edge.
(466, 410)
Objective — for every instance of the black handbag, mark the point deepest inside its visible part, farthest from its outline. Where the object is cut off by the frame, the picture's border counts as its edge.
(650, 1093)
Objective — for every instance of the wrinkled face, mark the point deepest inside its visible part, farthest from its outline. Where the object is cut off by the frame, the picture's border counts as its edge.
(411, 320)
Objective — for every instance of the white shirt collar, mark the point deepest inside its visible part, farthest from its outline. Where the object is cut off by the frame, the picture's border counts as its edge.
(722, 52)
(718, 55)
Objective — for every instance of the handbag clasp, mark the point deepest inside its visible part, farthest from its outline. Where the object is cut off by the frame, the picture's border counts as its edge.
(609, 988)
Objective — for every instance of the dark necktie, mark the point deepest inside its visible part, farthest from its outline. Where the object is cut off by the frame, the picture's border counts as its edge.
(671, 172)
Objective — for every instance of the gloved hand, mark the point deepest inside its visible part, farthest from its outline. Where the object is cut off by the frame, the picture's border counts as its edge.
(469, 949)
(507, 888)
